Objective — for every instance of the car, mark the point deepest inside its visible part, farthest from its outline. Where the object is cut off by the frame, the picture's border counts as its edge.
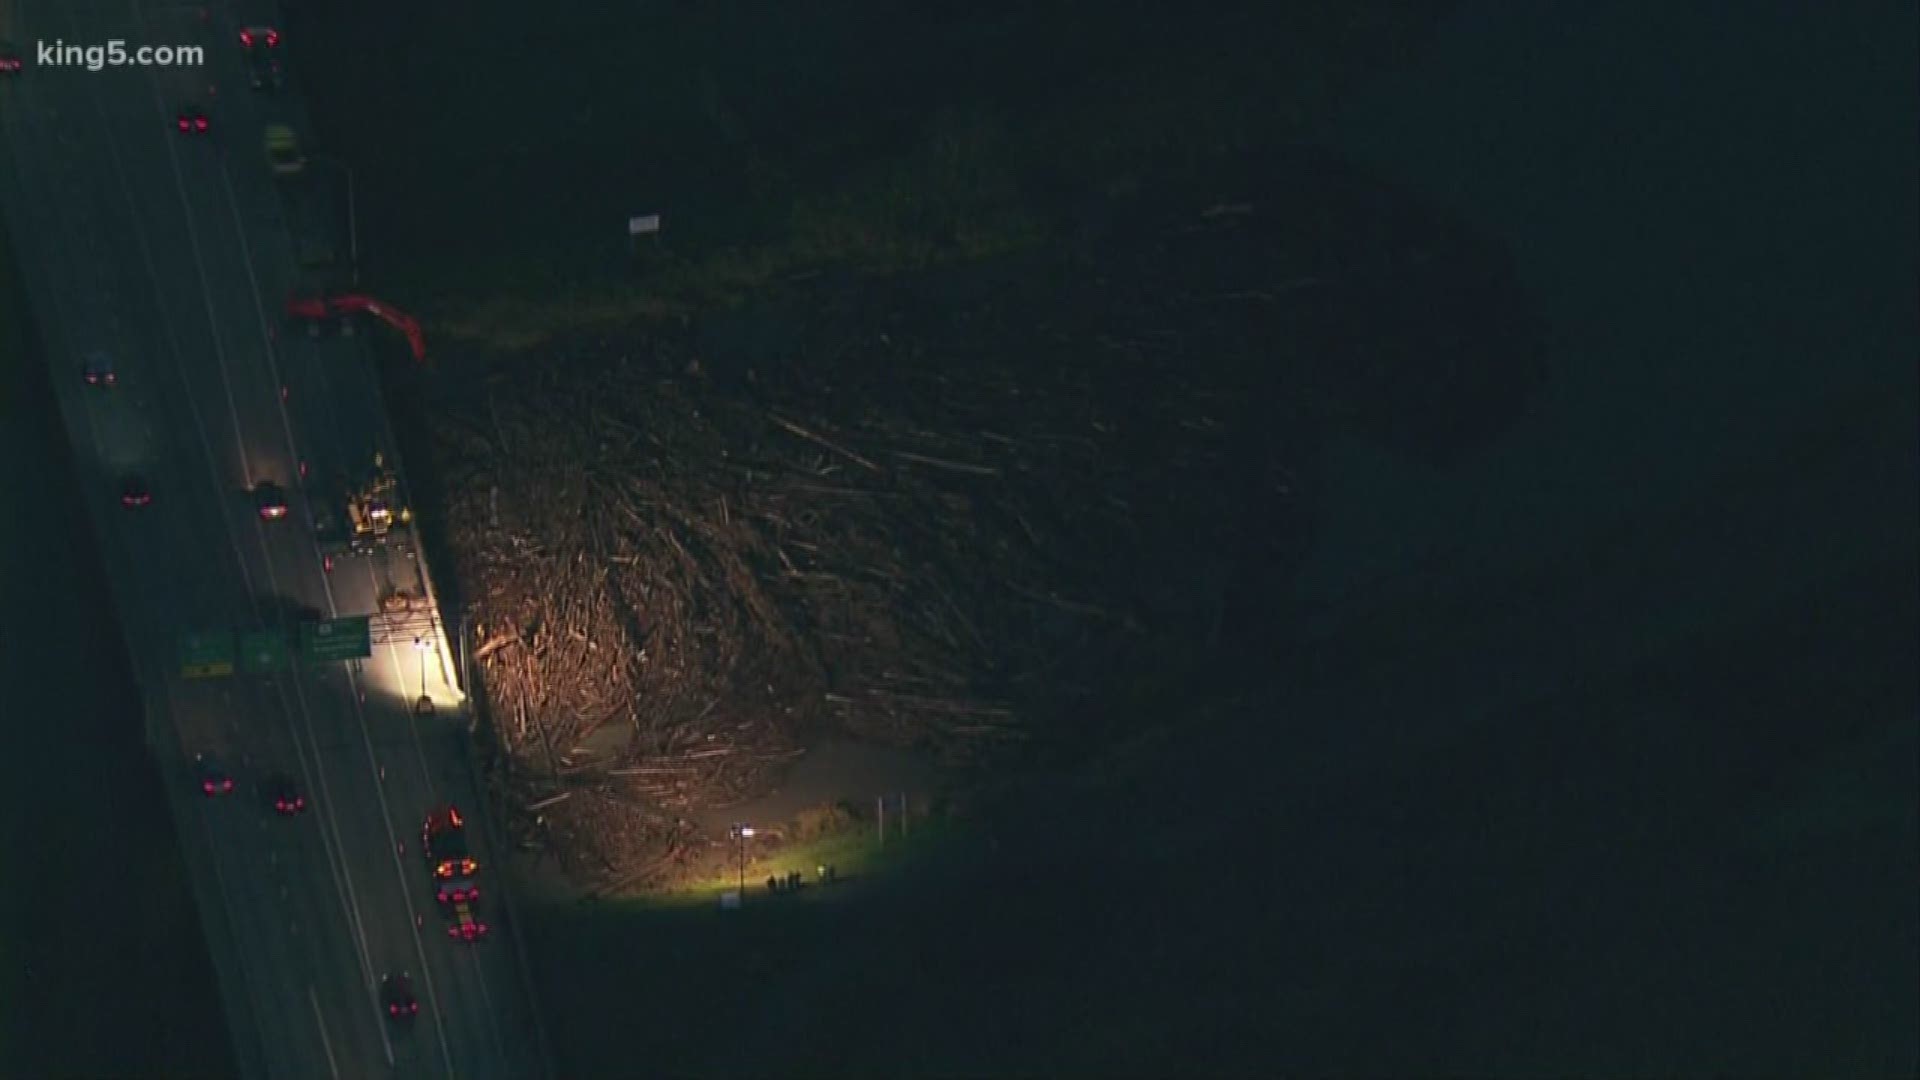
(269, 500)
(466, 925)
(458, 889)
(396, 992)
(134, 492)
(256, 36)
(443, 840)
(283, 151)
(191, 120)
(285, 795)
(213, 777)
(97, 369)
(10, 60)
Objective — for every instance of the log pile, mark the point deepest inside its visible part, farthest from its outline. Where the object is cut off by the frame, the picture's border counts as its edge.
(954, 515)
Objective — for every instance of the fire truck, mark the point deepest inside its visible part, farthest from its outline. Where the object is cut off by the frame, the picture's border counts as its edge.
(443, 840)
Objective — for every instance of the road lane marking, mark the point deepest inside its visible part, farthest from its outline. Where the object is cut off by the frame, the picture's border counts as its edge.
(343, 878)
(313, 999)
(172, 335)
(337, 866)
(259, 311)
(206, 288)
(386, 817)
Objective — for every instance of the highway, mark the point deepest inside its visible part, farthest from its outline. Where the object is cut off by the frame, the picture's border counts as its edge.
(172, 254)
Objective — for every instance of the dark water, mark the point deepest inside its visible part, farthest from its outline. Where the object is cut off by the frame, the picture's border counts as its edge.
(103, 971)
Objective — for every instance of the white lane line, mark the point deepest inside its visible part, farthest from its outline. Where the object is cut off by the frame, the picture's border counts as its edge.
(343, 878)
(333, 1067)
(393, 848)
(426, 775)
(259, 311)
(343, 885)
(206, 288)
(233, 923)
(333, 609)
(400, 681)
(493, 1028)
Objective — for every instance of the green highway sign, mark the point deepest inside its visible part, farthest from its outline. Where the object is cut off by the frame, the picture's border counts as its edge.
(264, 650)
(336, 639)
(206, 653)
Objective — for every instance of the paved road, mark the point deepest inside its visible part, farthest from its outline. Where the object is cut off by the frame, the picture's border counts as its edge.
(172, 254)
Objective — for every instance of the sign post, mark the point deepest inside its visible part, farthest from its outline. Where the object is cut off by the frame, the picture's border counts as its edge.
(264, 650)
(329, 640)
(640, 225)
(205, 654)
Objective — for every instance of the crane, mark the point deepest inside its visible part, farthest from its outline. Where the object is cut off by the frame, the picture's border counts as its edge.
(321, 307)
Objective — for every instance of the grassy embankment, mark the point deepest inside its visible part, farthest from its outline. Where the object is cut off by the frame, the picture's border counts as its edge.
(95, 910)
(785, 142)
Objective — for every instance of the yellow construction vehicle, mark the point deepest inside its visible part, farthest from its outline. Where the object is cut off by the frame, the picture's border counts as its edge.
(373, 508)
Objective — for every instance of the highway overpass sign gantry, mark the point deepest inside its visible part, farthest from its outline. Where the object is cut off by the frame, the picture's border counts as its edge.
(328, 640)
(265, 650)
(206, 654)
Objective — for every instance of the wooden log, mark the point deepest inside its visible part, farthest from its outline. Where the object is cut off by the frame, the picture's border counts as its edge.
(942, 463)
(822, 441)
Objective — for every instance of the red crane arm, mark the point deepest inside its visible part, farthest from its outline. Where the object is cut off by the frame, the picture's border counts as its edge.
(338, 304)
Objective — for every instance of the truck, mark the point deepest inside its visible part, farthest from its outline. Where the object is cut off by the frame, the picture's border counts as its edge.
(313, 223)
(364, 514)
(443, 840)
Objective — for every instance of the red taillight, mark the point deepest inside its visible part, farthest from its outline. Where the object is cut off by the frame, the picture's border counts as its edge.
(453, 931)
(273, 38)
(181, 123)
(199, 123)
(206, 786)
(300, 803)
(413, 1006)
(393, 1010)
(246, 38)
